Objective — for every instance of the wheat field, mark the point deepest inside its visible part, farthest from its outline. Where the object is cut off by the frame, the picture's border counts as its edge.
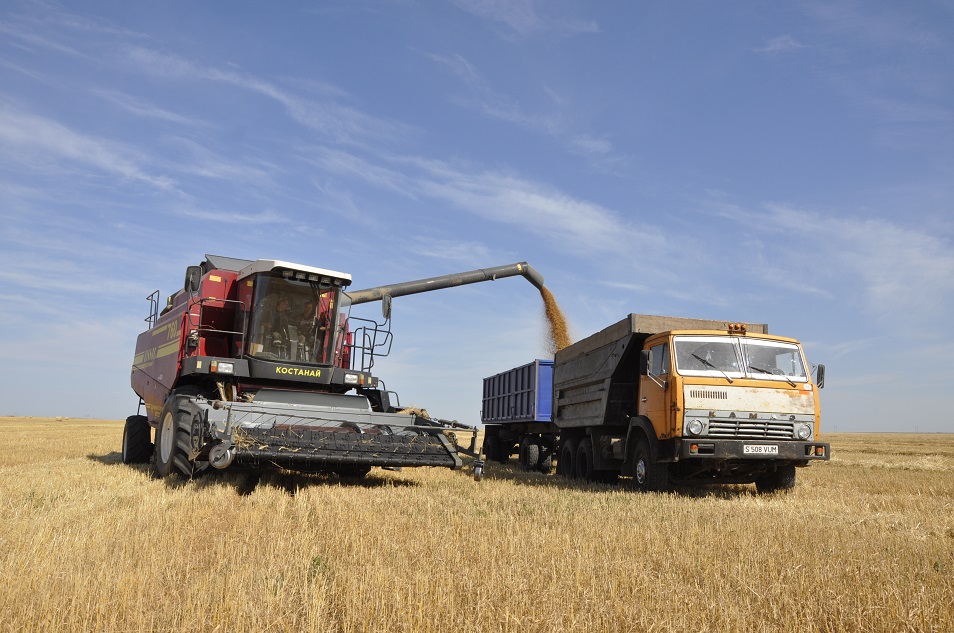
(865, 542)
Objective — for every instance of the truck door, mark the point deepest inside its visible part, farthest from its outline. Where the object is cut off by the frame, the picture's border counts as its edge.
(654, 390)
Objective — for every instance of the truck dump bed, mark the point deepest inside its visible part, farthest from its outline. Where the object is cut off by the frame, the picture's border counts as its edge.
(595, 380)
(522, 394)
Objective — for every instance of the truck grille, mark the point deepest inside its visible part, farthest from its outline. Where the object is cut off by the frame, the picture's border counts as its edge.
(751, 429)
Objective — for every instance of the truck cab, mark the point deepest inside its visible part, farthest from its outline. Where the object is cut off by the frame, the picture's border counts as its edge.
(729, 406)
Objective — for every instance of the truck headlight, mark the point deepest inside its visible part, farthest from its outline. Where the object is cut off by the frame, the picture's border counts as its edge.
(803, 431)
(694, 426)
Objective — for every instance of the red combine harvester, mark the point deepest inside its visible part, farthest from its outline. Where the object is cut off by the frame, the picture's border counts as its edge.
(257, 364)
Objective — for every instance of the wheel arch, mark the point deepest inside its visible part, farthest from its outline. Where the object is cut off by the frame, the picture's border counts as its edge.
(639, 428)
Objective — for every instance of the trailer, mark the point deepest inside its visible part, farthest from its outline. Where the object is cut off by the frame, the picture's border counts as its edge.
(517, 415)
(672, 400)
(258, 364)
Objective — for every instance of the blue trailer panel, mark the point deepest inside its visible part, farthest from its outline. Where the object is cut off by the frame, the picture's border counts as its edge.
(522, 394)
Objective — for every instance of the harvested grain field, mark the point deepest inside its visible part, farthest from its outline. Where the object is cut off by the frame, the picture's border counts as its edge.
(865, 542)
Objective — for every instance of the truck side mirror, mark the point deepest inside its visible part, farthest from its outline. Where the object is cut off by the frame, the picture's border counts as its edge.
(192, 278)
(644, 362)
(386, 306)
(820, 376)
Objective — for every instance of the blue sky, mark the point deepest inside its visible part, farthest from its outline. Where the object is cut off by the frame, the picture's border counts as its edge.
(788, 163)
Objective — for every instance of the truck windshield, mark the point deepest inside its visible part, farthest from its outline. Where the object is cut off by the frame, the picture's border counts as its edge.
(293, 320)
(708, 356)
(773, 360)
(736, 357)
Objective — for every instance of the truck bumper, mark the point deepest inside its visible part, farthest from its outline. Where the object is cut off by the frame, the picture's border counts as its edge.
(753, 449)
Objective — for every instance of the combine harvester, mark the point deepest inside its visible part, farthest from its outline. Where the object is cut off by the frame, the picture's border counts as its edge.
(664, 400)
(257, 364)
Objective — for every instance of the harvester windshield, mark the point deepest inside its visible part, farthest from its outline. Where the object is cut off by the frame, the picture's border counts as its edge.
(295, 320)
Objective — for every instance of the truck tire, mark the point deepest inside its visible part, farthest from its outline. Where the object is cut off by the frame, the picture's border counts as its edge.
(782, 478)
(174, 440)
(566, 463)
(137, 440)
(529, 453)
(584, 460)
(648, 475)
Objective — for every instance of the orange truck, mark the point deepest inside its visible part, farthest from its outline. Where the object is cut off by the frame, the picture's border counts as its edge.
(668, 400)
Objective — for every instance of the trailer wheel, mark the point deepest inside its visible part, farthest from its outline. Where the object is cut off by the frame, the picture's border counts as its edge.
(492, 448)
(174, 441)
(137, 440)
(782, 478)
(584, 460)
(529, 453)
(566, 463)
(648, 474)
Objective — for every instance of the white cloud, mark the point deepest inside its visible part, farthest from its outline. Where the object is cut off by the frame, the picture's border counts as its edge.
(46, 145)
(781, 44)
(905, 272)
(522, 17)
(338, 122)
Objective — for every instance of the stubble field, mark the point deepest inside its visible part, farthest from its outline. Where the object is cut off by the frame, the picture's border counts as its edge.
(865, 542)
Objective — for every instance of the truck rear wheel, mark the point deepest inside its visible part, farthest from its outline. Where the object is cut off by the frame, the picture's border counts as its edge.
(137, 440)
(566, 463)
(584, 460)
(174, 440)
(648, 475)
(782, 478)
(529, 453)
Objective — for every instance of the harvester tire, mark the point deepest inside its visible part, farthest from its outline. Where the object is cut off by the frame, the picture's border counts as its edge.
(137, 440)
(529, 453)
(174, 440)
(584, 460)
(783, 478)
(648, 474)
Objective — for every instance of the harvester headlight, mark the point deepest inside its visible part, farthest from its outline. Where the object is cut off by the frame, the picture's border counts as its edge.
(695, 426)
(803, 431)
(222, 368)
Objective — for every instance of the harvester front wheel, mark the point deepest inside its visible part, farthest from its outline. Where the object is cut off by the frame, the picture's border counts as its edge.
(137, 440)
(174, 440)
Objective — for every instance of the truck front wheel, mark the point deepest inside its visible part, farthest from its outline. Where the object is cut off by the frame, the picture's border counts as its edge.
(649, 475)
(782, 478)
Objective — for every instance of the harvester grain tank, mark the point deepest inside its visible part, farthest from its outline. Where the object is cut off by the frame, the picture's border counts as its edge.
(257, 364)
(674, 400)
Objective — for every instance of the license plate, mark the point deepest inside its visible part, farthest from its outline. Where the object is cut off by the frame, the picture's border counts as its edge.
(760, 449)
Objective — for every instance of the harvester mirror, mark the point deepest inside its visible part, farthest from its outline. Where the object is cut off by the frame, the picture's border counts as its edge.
(820, 376)
(192, 277)
(386, 306)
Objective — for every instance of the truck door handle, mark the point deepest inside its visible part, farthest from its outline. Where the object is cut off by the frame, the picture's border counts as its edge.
(643, 399)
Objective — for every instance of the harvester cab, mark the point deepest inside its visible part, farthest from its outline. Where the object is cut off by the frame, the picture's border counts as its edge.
(254, 363)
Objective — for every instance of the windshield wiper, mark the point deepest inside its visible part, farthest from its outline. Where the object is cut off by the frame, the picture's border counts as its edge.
(708, 364)
(772, 373)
